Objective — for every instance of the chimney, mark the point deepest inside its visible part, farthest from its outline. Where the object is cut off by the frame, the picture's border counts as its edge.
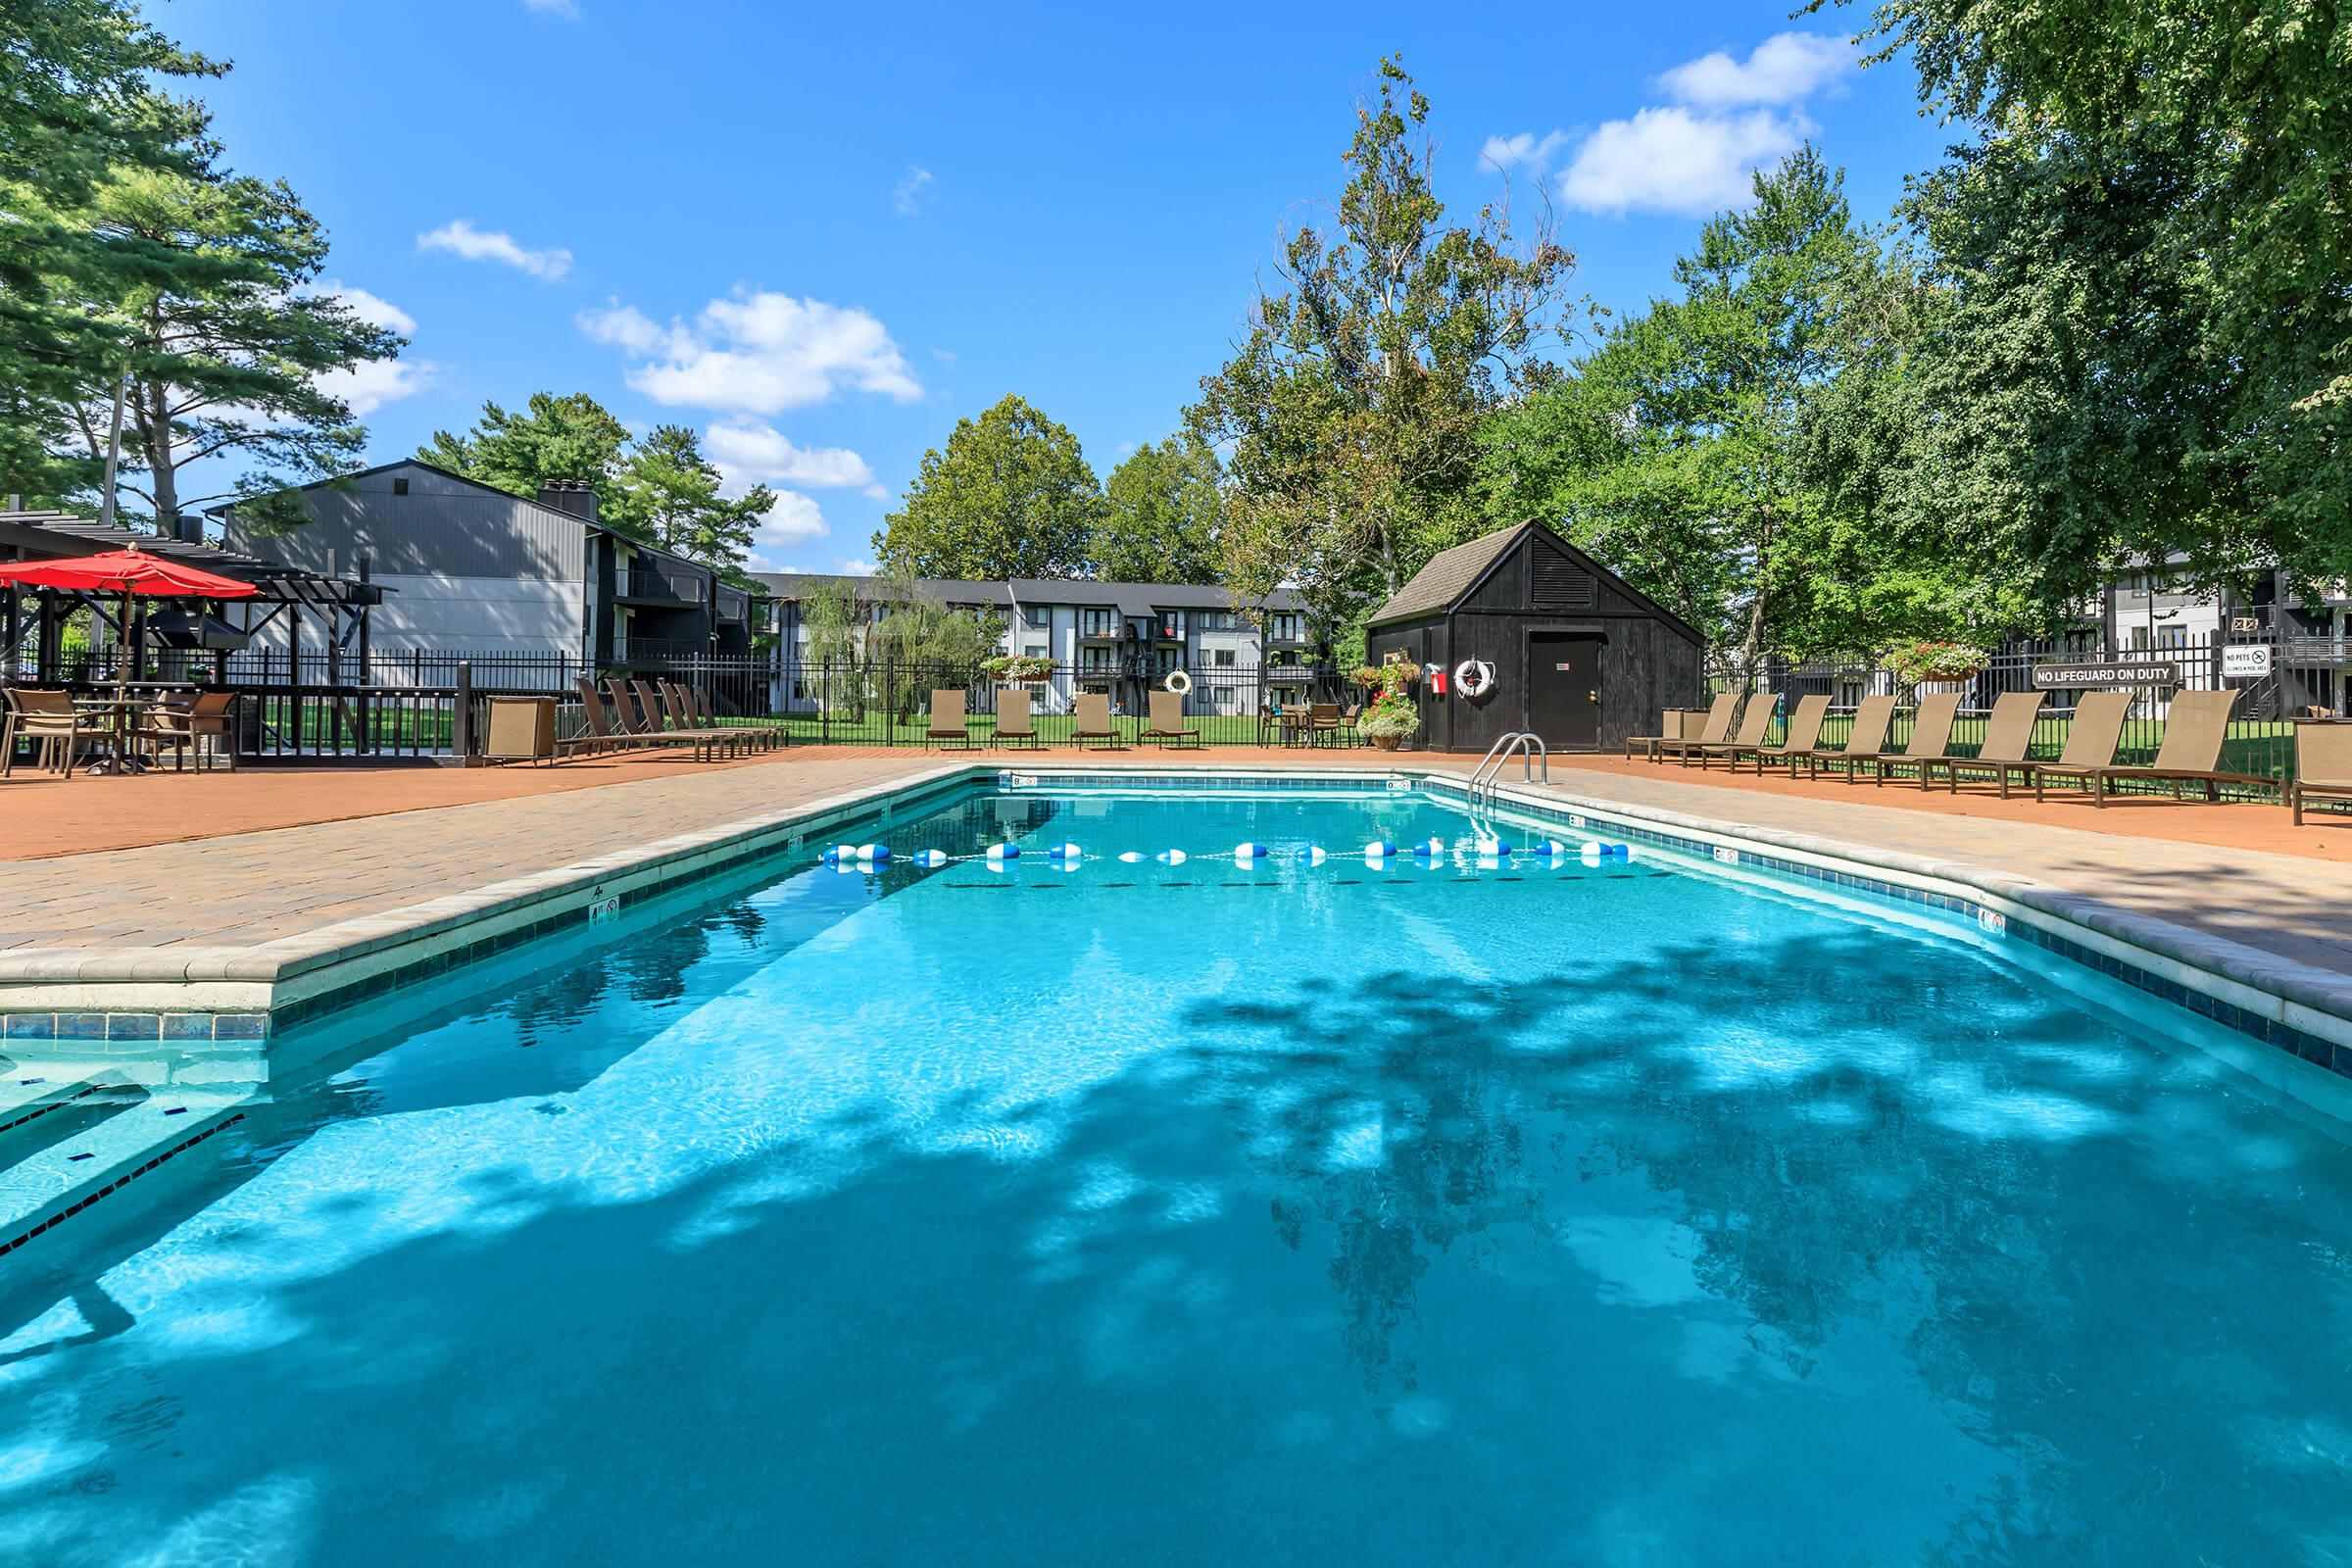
(576, 497)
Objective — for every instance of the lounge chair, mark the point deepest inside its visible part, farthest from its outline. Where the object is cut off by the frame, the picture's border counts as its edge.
(1802, 739)
(598, 735)
(626, 719)
(1169, 726)
(710, 740)
(2196, 728)
(1718, 725)
(766, 737)
(1093, 720)
(2008, 736)
(1016, 724)
(51, 718)
(947, 726)
(1874, 716)
(1761, 706)
(2090, 742)
(2323, 767)
(1931, 740)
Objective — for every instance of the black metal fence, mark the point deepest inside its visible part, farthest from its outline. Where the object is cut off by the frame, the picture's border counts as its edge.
(2304, 675)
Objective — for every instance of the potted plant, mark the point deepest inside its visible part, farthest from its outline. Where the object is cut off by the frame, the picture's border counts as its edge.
(1018, 669)
(1389, 720)
(1923, 665)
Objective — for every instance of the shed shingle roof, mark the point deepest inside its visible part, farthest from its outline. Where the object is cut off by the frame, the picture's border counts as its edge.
(1448, 575)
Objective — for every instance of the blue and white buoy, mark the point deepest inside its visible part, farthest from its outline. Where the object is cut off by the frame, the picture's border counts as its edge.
(1066, 852)
(1001, 853)
(1312, 854)
(1379, 850)
(1493, 850)
(1549, 849)
(1249, 852)
(1171, 856)
(872, 854)
(930, 857)
(1132, 856)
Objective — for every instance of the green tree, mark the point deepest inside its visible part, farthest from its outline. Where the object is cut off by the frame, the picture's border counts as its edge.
(669, 495)
(227, 340)
(80, 101)
(2150, 347)
(553, 438)
(1353, 407)
(1011, 496)
(1163, 516)
(1678, 449)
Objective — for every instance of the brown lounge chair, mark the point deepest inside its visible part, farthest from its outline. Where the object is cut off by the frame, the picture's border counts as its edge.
(51, 718)
(1931, 739)
(2323, 767)
(1718, 725)
(766, 737)
(947, 726)
(710, 740)
(2008, 736)
(2090, 743)
(2196, 726)
(1802, 739)
(1016, 724)
(1093, 720)
(1874, 716)
(1749, 734)
(1169, 726)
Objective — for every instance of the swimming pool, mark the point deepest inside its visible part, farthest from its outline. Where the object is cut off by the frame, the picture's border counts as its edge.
(1645, 1210)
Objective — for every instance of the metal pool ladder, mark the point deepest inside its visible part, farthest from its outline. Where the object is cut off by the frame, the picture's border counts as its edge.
(1523, 744)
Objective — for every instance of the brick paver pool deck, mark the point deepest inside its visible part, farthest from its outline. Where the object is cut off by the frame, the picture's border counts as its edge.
(207, 869)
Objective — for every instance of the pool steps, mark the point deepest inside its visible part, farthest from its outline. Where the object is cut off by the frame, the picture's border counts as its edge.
(53, 1166)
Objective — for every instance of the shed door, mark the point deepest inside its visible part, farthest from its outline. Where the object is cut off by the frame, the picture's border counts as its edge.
(1563, 689)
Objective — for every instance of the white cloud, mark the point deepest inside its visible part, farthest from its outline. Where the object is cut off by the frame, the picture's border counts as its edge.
(563, 10)
(372, 384)
(750, 453)
(910, 187)
(856, 567)
(461, 239)
(792, 523)
(1525, 150)
(1782, 69)
(1669, 160)
(757, 353)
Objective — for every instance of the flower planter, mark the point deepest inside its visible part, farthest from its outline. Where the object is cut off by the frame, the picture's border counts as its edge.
(1386, 743)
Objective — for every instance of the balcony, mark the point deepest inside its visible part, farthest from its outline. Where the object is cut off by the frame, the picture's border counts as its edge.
(1099, 629)
(653, 586)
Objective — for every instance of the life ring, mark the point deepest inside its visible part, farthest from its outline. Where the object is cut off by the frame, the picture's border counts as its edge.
(1474, 678)
(1178, 682)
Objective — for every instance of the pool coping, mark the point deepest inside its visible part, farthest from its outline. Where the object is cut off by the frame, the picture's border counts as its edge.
(134, 999)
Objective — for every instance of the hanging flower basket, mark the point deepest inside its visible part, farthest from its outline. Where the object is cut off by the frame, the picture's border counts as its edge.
(1927, 663)
(1018, 669)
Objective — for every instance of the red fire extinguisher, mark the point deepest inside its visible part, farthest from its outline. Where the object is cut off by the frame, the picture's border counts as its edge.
(1437, 683)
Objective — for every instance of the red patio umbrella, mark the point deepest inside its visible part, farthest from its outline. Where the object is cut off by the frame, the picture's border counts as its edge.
(131, 572)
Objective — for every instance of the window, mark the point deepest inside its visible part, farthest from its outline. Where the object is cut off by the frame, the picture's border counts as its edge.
(1037, 616)
(1286, 628)
(1218, 620)
(1224, 656)
(1035, 651)
(400, 487)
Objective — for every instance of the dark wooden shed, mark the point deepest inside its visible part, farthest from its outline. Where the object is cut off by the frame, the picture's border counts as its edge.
(1579, 656)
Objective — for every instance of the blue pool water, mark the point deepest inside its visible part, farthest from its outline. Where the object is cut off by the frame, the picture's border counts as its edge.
(1624, 1214)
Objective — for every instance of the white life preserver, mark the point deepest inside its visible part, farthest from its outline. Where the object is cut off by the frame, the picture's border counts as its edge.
(1474, 678)
(1178, 682)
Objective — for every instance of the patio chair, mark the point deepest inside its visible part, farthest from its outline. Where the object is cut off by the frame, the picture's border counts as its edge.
(766, 737)
(1874, 716)
(1169, 726)
(51, 718)
(1093, 720)
(626, 719)
(1016, 724)
(2090, 742)
(1761, 706)
(1718, 725)
(1804, 737)
(2008, 736)
(189, 724)
(599, 735)
(2195, 729)
(1322, 718)
(1931, 740)
(2323, 767)
(948, 724)
(708, 740)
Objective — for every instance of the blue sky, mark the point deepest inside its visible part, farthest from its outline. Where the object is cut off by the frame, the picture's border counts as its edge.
(824, 234)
